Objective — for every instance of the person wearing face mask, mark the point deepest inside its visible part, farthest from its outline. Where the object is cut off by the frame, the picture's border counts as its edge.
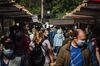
(8, 57)
(8, 53)
(76, 52)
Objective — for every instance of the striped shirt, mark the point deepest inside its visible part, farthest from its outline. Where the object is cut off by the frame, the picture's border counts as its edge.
(76, 57)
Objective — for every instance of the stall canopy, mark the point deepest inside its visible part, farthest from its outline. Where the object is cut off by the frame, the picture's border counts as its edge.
(68, 21)
(10, 9)
(94, 0)
(90, 10)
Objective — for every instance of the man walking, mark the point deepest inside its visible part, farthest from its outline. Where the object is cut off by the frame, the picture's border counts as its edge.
(75, 53)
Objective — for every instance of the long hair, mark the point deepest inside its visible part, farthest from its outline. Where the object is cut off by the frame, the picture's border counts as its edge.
(38, 37)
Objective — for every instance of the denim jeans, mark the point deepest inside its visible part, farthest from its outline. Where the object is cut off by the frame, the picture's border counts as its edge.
(56, 49)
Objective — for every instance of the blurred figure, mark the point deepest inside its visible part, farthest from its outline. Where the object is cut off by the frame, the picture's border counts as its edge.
(1, 49)
(93, 45)
(36, 55)
(49, 58)
(75, 53)
(33, 32)
(68, 36)
(25, 39)
(8, 57)
(26, 27)
(7, 41)
(39, 40)
(45, 33)
(51, 35)
(22, 42)
(95, 51)
(58, 41)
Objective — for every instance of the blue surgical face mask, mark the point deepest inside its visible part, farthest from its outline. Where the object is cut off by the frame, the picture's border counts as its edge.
(8, 52)
(80, 43)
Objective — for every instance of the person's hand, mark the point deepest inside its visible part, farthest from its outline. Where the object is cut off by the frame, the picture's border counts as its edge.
(1, 48)
(53, 64)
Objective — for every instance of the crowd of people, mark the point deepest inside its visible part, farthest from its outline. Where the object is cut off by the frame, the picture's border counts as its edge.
(33, 46)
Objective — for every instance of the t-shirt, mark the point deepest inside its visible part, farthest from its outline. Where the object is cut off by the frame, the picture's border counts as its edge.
(2, 63)
(76, 57)
(47, 45)
(14, 62)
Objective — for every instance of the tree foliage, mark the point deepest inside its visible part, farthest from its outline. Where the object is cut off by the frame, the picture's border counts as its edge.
(57, 8)
(60, 7)
(32, 5)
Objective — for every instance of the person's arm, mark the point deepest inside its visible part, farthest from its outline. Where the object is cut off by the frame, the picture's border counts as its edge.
(52, 59)
(60, 58)
(31, 46)
(63, 37)
(96, 50)
(51, 54)
(54, 40)
(98, 55)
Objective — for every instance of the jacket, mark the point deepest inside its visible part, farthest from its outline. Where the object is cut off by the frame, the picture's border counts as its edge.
(63, 58)
(59, 38)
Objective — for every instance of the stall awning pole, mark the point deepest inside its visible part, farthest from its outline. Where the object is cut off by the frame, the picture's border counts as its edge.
(2, 24)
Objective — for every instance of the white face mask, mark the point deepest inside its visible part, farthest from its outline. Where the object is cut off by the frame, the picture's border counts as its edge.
(7, 52)
(80, 43)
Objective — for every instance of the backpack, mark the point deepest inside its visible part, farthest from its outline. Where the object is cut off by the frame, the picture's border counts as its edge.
(37, 57)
